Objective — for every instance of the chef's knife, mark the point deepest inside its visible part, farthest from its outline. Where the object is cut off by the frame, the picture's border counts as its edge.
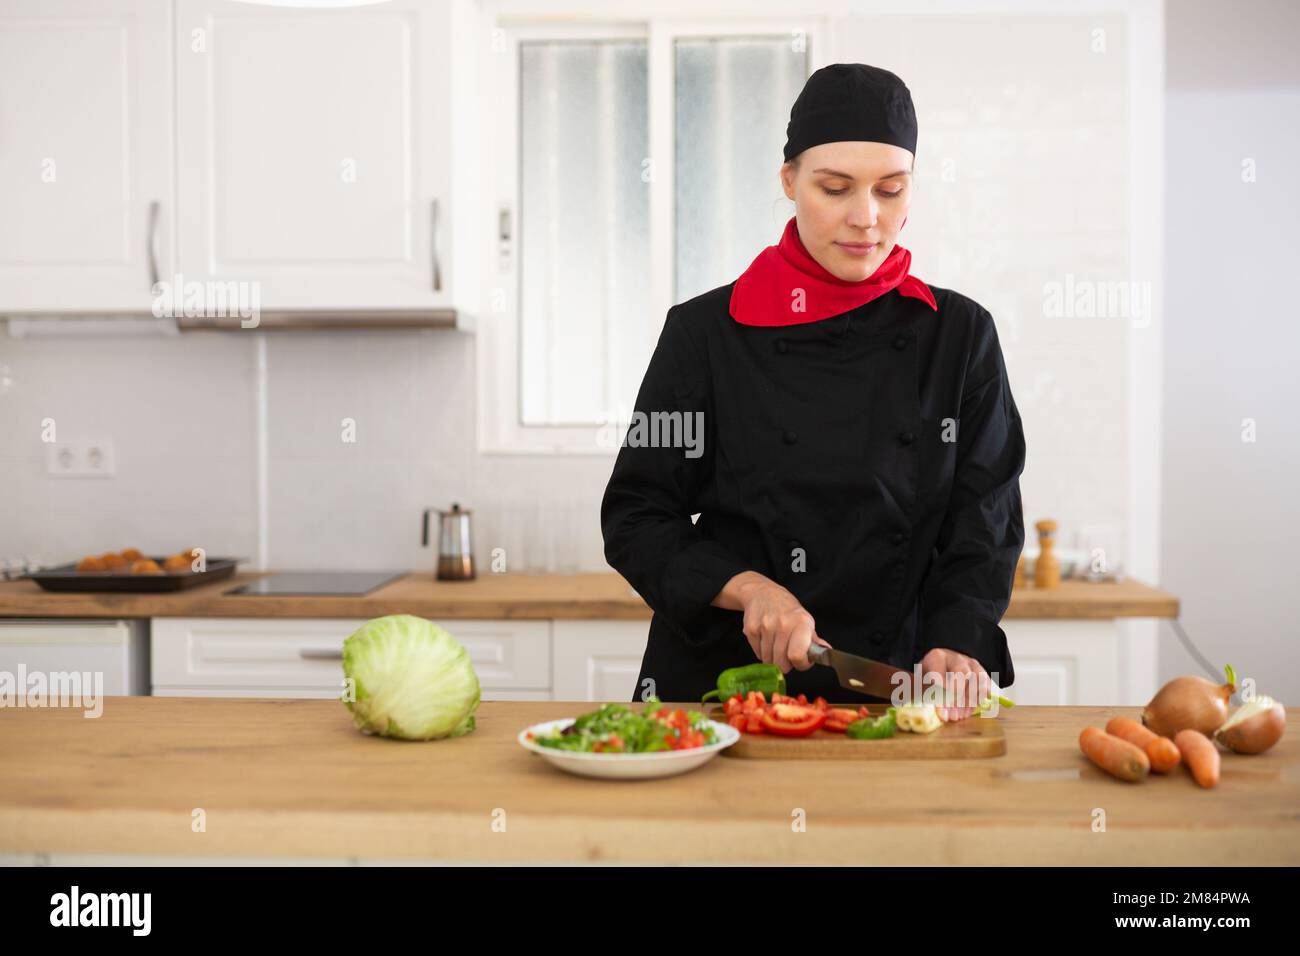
(862, 675)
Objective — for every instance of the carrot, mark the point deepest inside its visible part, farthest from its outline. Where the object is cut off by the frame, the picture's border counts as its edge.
(1200, 755)
(1117, 757)
(1159, 750)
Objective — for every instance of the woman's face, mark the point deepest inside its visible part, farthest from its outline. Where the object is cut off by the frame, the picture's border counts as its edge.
(850, 202)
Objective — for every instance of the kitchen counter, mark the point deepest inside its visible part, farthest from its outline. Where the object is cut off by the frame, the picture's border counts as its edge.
(292, 779)
(596, 596)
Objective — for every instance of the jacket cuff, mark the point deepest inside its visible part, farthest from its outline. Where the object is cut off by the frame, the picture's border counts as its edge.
(968, 634)
(691, 581)
(695, 576)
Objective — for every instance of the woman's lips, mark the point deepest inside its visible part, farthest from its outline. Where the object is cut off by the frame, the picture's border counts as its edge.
(858, 248)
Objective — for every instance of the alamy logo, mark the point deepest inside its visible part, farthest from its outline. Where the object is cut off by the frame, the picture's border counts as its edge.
(102, 909)
(84, 689)
(654, 429)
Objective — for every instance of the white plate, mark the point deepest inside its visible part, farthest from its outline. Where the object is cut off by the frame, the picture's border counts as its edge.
(660, 763)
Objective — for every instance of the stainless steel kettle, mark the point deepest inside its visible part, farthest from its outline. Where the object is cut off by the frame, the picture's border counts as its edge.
(455, 544)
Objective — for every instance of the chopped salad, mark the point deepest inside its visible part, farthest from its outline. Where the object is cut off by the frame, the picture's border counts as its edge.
(616, 728)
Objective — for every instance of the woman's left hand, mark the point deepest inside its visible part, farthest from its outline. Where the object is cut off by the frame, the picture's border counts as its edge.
(954, 672)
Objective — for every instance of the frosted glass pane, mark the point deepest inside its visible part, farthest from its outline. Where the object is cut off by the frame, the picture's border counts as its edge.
(733, 101)
(583, 230)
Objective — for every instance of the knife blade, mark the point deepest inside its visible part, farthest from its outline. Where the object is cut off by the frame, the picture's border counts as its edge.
(862, 675)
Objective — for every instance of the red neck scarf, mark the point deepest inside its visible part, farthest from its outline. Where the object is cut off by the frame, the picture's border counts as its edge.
(765, 293)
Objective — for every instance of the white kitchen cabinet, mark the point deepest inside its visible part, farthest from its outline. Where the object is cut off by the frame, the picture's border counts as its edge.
(597, 660)
(113, 650)
(302, 657)
(86, 200)
(315, 151)
(1058, 662)
(1067, 663)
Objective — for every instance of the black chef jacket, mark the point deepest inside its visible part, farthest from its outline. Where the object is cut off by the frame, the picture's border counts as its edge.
(869, 462)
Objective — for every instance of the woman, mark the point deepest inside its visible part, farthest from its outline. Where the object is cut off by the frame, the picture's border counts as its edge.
(858, 483)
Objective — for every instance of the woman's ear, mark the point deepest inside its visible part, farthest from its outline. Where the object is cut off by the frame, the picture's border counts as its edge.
(787, 180)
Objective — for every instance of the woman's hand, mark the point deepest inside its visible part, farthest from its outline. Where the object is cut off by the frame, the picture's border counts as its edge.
(953, 671)
(777, 626)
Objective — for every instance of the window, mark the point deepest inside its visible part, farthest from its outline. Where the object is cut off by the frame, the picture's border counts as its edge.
(600, 236)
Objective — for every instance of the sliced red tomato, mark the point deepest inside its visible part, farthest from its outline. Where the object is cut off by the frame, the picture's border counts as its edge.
(738, 721)
(821, 704)
(837, 718)
(734, 706)
(792, 720)
(803, 700)
(754, 722)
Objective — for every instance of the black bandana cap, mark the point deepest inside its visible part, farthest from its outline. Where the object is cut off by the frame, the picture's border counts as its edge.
(851, 101)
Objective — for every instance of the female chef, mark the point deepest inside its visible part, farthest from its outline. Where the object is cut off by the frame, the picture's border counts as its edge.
(858, 481)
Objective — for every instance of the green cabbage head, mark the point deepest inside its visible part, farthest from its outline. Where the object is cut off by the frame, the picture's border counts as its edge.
(410, 679)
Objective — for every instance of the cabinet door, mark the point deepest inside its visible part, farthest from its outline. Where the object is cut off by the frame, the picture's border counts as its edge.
(597, 660)
(312, 152)
(85, 153)
(75, 654)
(1065, 663)
(254, 657)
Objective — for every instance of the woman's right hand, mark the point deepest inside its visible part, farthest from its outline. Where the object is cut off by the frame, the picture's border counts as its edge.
(778, 627)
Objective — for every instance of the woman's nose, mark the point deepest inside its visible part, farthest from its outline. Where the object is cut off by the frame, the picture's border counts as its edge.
(864, 213)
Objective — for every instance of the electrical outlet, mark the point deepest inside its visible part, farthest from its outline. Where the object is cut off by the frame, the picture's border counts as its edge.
(85, 459)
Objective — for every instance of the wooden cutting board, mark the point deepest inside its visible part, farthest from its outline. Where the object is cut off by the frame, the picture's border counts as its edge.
(972, 737)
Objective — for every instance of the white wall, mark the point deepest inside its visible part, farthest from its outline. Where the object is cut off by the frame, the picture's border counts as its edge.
(1231, 511)
(181, 413)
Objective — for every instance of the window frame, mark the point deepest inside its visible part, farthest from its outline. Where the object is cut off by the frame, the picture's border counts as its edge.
(500, 427)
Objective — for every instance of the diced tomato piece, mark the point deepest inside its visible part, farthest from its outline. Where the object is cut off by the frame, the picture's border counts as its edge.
(690, 740)
(821, 704)
(754, 723)
(803, 700)
(838, 718)
(738, 721)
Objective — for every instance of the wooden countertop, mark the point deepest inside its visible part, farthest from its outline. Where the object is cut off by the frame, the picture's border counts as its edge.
(294, 779)
(519, 596)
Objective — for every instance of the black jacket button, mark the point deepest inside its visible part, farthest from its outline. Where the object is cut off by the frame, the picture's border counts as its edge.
(906, 437)
(898, 537)
(789, 438)
(900, 343)
(793, 544)
(782, 346)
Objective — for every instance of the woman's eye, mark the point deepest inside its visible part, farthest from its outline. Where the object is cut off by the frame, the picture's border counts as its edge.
(834, 192)
(893, 195)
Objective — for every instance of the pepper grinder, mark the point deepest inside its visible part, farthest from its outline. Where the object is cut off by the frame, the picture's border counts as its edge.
(1047, 569)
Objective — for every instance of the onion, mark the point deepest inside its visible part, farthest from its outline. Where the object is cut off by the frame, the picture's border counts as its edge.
(1189, 703)
(1254, 726)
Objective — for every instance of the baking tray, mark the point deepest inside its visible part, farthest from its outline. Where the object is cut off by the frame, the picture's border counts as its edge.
(66, 577)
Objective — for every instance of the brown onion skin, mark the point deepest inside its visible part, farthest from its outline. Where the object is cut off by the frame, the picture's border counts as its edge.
(1257, 733)
(1188, 703)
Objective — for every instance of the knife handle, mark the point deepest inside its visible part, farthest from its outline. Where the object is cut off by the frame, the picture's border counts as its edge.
(817, 652)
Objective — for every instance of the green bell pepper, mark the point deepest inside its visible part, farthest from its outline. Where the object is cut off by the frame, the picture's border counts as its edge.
(767, 679)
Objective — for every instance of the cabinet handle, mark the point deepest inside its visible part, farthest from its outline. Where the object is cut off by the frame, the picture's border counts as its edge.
(321, 653)
(433, 244)
(151, 243)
